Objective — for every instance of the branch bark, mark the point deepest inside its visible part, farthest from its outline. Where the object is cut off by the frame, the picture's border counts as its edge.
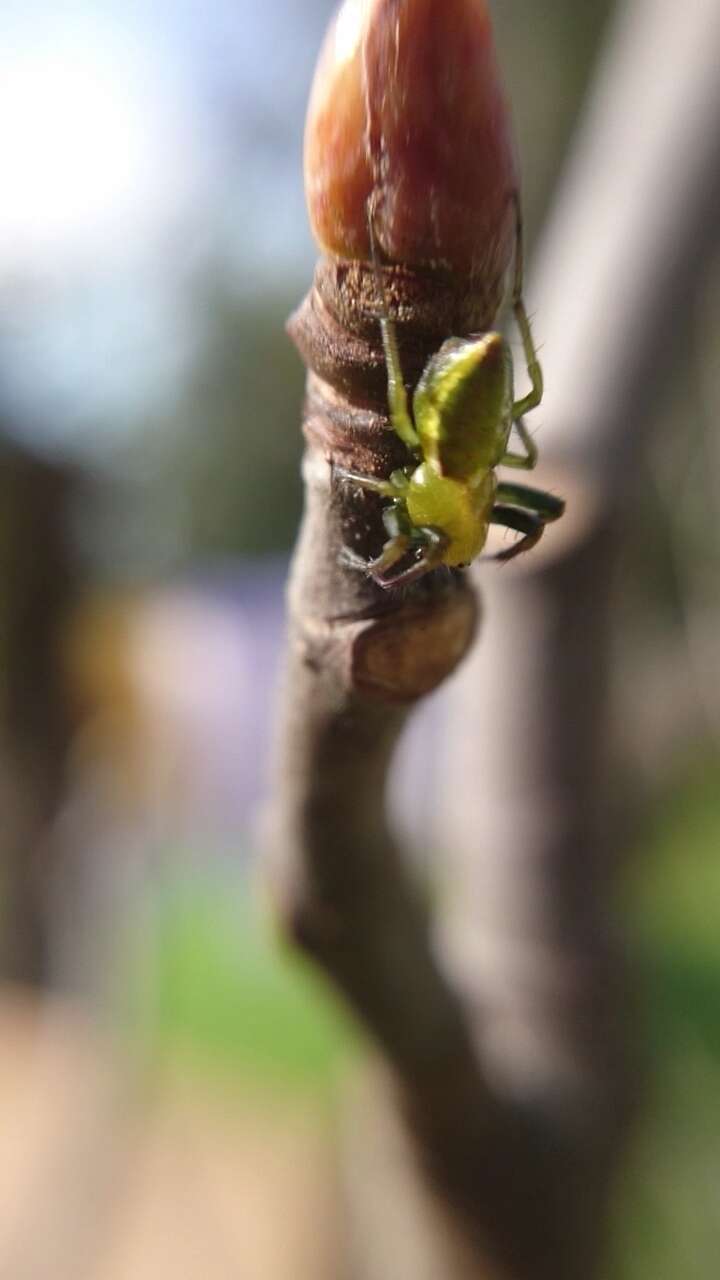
(358, 659)
(504, 1168)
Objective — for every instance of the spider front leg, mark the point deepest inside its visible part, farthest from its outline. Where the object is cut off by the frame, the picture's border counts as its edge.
(394, 487)
(396, 548)
(397, 395)
(436, 544)
(373, 484)
(395, 521)
(404, 537)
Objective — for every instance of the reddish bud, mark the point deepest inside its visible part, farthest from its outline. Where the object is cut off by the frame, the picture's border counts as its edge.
(407, 108)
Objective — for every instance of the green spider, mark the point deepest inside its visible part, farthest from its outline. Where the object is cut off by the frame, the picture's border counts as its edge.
(447, 495)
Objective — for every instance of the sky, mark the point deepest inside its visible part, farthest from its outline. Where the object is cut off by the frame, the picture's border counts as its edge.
(137, 143)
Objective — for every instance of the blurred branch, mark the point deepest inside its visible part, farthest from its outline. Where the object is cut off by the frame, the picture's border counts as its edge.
(635, 220)
(37, 591)
(528, 931)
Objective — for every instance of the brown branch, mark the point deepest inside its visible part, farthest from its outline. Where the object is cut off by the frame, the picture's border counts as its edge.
(358, 660)
(634, 224)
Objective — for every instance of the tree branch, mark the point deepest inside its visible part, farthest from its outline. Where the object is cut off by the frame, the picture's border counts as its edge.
(358, 659)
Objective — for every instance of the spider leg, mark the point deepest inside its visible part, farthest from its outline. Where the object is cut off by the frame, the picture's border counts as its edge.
(544, 505)
(372, 483)
(534, 396)
(528, 523)
(395, 549)
(397, 395)
(526, 460)
(436, 543)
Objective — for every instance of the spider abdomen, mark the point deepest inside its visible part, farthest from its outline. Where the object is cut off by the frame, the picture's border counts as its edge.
(463, 405)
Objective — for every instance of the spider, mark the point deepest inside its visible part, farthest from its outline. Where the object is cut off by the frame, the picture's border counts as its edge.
(443, 500)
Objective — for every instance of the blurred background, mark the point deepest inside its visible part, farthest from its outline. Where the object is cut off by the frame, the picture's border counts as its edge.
(169, 1072)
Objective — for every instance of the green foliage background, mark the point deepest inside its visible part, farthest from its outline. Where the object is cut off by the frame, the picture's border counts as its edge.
(229, 1002)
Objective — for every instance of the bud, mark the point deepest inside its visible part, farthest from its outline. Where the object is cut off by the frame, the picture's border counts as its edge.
(407, 110)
